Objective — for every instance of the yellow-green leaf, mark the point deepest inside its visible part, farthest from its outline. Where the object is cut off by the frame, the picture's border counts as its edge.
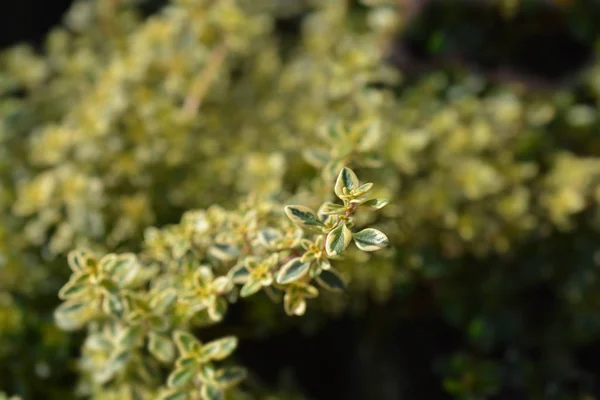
(164, 300)
(71, 314)
(186, 362)
(370, 239)
(77, 260)
(112, 305)
(362, 189)
(210, 392)
(239, 274)
(345, 183)
(316, 157)
(229, 376)
(224, 252)
(375, 204)
(250, 288)
(292, 271)
(76, 287)
(332, 209)
(175, 395)
(180, 377)
(161, 347)
(267, 236)
(217, 309)
(294, 304)
(219, 349)
(337, 240)
(331, 280)
(186, 342)
(303, 216)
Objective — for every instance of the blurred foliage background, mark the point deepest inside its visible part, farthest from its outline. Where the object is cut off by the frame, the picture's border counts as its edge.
(124, 114)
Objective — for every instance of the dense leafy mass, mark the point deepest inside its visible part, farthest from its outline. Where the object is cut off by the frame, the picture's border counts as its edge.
(156, 171)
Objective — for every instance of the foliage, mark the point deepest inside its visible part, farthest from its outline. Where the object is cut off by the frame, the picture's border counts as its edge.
(139, 308)
(228, 133)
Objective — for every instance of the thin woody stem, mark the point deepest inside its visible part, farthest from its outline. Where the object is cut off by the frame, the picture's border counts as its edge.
(202, 83)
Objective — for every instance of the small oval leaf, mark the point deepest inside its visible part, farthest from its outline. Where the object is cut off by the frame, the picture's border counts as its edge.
(348, 180)
(161, 347)
(331, 280)
(292, 271)
(239, 274)
(229, 376)
(210, 392)
(77, 286)
(219, 349)
(250, 288)
(175, 395)
(375, 204)
(332, 209)
(180, 377)
(370, 239)
(337, 240)
(302, 216)
(186, 342)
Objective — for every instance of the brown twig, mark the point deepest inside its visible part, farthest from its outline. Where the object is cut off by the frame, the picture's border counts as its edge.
(202, 83)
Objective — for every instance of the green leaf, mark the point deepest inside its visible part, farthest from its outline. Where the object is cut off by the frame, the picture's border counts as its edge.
(158, 323)
(375, 204)
(370, 239)
(78, 286)
(362, 189)
(125, 269)
(219, 349)
(239, 274)
(120, 358)
(332, 209)
(316, 157)
(131, 336)
(186, 362)
(273, 293)
(224, 252)
(186, 342)
(337, 240)
(175, 395)
(210, 392)
(207, 371)
(180, 377)
(345, 183)
(332, 130)
(112, 305)
(303, 216)
(71, 314)
(222, 284)
(294, 304)
(109, 286)
(292, 271)
(370, 160)
(307, 291)
(250, 288)
(161, 347)
(77, 260)
(217, 309)
(107, 263)
(164, 300)
(229, 376)
(331, 280)
(268, 235)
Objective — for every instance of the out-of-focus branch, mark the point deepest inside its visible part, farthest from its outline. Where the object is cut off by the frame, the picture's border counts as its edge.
(202, 83)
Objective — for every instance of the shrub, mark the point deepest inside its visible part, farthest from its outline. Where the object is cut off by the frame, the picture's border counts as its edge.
(205, 119)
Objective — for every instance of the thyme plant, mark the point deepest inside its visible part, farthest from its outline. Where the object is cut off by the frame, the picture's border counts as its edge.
(230, 126)
(140, 310)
